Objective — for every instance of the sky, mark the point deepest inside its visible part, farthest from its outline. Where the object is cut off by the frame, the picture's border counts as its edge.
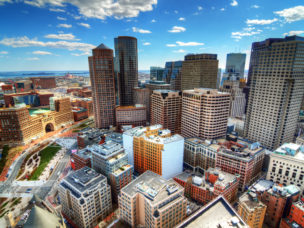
(38, 35)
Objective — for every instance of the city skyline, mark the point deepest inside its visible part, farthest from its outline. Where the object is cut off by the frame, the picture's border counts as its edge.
(54, 35)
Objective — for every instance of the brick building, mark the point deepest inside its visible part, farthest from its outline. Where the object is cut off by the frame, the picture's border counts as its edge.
(86, 103)
(80, 159)
(80, 114)
(295, 217)
(7, 89)
(29, 98)
(142, 96)
(131, 115)
(204, 188)
(44, 82)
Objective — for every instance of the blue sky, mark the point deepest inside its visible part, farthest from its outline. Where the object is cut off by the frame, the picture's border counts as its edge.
(59, 34)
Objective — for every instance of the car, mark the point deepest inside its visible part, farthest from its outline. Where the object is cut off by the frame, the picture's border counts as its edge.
(28, 190)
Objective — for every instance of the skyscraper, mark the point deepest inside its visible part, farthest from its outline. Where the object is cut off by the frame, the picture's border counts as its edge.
(166, 108)
(101, 66)
(126, 67)
(156, 73)
(199, 71)
(276, 90)
(235, 64)
(204, 113)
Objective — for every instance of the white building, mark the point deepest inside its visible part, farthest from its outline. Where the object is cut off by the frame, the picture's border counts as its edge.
(286, 165)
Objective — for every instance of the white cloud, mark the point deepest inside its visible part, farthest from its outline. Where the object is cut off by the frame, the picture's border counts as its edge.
(200, 8)
(239, 35)
(171, 45)
(248, 29)
(3, 52)
(24, 41)
(222, 9)
(32, 59)
(134, 29)
(153, 21)
(181, 19)
(2, 2)
(176, 29)
(67, 36)
(261, 22)
(180, 51)
(234, 3)
(292, 14)
(85, 25)
(292, 33)
(41, 53)
(255, 6)
(61, 18)
(180, 43)
(101, 8)
(146, 43)
(57, 10)
(80, 54)
(64, 26)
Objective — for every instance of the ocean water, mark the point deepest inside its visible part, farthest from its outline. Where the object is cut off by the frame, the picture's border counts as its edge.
(20, 74)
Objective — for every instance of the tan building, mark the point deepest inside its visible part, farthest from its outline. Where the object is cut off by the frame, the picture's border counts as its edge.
(166, 108)
(19, 124)
(237, 99)
(142, 96)
(199, 71)
(131, 115)
(85, 198)
(101, 66)
(204, 113)
(252, 210)
(151, 201)
(276, 90)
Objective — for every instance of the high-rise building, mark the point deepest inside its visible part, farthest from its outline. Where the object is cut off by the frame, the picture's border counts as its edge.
(295, 217)
(131, 115)
(235, 64)
(204, 113)
(166, 108)
(173, 73)
(142, 96)
(237, 99)
(156, 73)
(290, 156)
(199, 71)
(204, 188)
(252, 210)
(155, 85)
(151, 201)
(153, 148)
(276, 90)
(85, 198)
(126, 67)
(111, 160)
(101, 66)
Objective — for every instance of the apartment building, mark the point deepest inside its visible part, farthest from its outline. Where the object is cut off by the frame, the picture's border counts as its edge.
(152, 201)
(295, 217)
(131, 115)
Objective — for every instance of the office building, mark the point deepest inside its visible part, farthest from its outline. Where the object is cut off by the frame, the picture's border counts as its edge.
(101, 67)
(204, 113)
(199, 71)
(151, 201)
(205, 188)
(286, 165)
(156, 73)
(91, 136)
(81, 158)
(157, 85)
(111, 160)
(23, 86)
(217, 213)
(252, 210)
(166, 108)
(85, 198)
(295, 217)
(142, 96)
(126, 67)
(154, 148)
(20, 124)
(44, 82)
(173, 74)
(235, 65)
(237, 98)
(85, 103)
(276, 90)
(131, 116)
(219, 78)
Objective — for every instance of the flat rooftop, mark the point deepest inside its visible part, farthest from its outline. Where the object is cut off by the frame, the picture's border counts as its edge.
(35, 112)
(152, 186)
(291, 149)
(250, 201)
(106, 149)
(217, 213)
(206, 91)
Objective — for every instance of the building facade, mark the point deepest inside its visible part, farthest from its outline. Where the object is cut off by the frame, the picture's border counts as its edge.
(44, 82)
(126, 67)
(101, 65)
(156, 73)
(142, 96)
(295, 217)
(151, 201)
(199, 71)
(166, 110)
(235, 64)
(85, 198)
(276, 90)
(204, 113)
(173, 74)
(131, 115)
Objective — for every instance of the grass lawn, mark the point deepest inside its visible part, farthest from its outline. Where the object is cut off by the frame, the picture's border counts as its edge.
(4, 157)
(46, 156)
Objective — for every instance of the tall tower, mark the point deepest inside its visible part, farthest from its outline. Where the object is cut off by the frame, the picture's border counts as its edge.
(199, 71)
(166, 108)
(276, 90)
(204, 113)
(126, 67)
(101, 66)
(235, 63)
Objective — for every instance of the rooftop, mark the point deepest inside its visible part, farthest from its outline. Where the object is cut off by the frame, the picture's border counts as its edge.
(249, 199)
(106, 149)
(152, 186)
(291, 149)
(84, 153)
(206, 92)
(35, 112)
(217, 213)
